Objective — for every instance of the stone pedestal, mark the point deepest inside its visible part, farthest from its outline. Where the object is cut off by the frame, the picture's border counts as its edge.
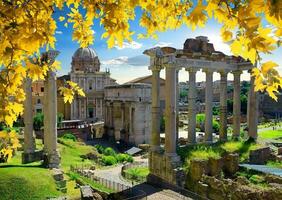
(165, 168)
(32, 157)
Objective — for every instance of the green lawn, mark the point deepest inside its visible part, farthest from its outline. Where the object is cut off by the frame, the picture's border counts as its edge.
(270, 134)
(32, 182)
(138, 171)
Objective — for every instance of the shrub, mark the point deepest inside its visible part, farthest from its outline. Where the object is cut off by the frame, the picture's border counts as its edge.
(215, 126)
(109, 152)
(100, 148)
(109, 160)
(200, 121)
(38, 121)
(129, 158)
(121, 157)
(257, 179)
(70, 136)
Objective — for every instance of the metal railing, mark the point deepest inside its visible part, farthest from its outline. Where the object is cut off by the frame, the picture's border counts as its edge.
(110, 184)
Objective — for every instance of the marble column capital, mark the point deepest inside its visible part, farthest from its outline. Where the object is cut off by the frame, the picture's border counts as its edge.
(157, 68)
(208, 71)
(192, 69)
(223, 73)
(237, 72)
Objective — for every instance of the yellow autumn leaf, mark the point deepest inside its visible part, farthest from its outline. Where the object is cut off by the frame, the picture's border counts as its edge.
(61, 18)
(265, 67)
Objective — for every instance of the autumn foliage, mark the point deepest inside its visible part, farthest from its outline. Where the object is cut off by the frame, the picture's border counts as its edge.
(27, 27)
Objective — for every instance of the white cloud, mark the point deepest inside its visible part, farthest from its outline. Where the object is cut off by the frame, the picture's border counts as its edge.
(139, 60)
(116, 61)
(59, 32)
(127, 45)
(163, 44)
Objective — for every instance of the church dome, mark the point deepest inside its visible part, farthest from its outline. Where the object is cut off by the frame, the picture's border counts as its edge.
(85, 60)
(85, 53)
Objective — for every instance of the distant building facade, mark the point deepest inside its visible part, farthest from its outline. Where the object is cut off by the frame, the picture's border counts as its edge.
(128, 112)
(85, 71)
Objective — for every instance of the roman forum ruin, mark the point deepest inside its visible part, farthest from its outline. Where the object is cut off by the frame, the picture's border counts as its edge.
(197, 54)
(50, 151)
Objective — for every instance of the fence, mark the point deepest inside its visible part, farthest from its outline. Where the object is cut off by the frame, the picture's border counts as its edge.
(128, 192)
(85, 172)
(133, 165)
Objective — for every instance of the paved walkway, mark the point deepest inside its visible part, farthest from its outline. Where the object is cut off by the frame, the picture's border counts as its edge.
(264, 168)
(155, 193)
(113, 174)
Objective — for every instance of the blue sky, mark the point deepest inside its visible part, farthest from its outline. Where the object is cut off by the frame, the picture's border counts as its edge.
(128, 62)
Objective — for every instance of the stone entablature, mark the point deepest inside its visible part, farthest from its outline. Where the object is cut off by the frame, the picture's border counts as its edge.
(135, 92)
(127, 112)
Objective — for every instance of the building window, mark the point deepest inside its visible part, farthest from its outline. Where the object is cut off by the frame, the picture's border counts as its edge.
(38, 110)
(90, 112)
(38, 101)
(42, 89)
(90, 85)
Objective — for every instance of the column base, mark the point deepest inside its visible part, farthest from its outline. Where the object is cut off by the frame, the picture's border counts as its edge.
(52, 160)
(32, 157)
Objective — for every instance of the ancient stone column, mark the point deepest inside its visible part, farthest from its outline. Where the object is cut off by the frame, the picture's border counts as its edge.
(29, 141)
(192, 95)
(155, 135)
(208, 105)
(177, 104)
(236, 104)
(223, 106)
(170, 110)
(53, 158)
(252, 110)
(46, 117)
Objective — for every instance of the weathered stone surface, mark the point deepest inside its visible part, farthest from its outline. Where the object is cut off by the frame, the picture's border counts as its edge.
(86, 192)
(202, 189)
(61, 184)
(231, 164)
(273, 179)
(97, 196)
(260, 156)
(242, 180)
(32, 157)
(197, 169)
(58, 174)
(200, 44)
(215, 166)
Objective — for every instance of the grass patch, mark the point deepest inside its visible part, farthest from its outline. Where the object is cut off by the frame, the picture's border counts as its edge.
(87, 181)
(270, 134)
(216, 151)
(138, 171)
(277, 164)
(32, 182)
(26, 181)
(256, 179)
(71, 151)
